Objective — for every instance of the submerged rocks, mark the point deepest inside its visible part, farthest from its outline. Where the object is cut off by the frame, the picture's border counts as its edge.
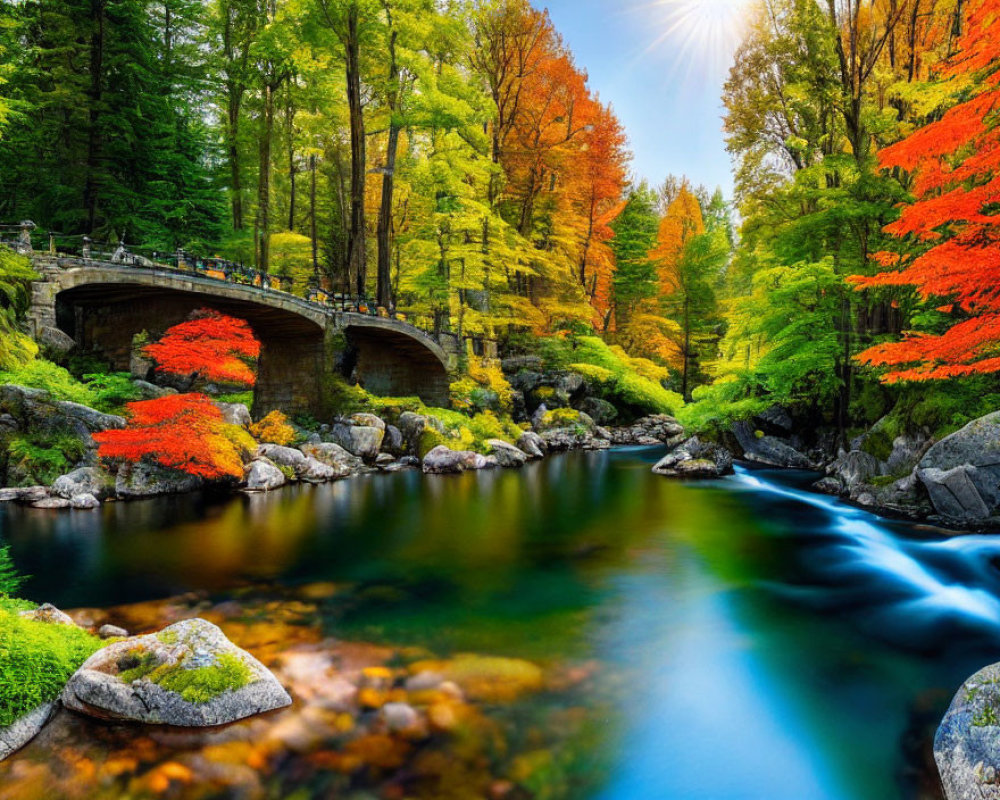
(443, 460)
(967, 744)
(188, 674)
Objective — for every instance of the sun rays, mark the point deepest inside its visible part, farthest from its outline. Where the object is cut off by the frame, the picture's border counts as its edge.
(697, 36)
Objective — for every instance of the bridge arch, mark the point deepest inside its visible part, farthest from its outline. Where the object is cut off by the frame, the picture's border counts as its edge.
(103, 306)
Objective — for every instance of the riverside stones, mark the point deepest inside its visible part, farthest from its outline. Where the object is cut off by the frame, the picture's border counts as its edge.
(695, 459)
(48, 613)
(360, 434)
(443, 460)
(23, 730)
(967, 744)
(83, 480)
(962, 471)
(188, 674)
(532, 444)
(263, 476)
(333, 455)
(506, 454)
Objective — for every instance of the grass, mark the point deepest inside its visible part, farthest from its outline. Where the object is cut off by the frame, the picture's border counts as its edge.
(40, 457)
(36, 659)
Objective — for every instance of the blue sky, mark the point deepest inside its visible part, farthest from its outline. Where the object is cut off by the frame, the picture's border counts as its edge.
(664, 84)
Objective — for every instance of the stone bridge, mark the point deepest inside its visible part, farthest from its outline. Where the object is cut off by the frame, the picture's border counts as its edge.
(100, 306)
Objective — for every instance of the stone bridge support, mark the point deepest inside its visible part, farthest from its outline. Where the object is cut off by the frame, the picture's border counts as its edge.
(101, 307)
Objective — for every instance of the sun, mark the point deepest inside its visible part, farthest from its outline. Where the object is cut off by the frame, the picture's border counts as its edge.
(700, 35)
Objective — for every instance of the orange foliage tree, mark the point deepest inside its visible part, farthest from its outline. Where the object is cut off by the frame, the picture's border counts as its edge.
(210, 345)
(955, 163)
(186, 432)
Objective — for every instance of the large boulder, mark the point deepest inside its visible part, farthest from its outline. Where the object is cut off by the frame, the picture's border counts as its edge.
(262, 475)
(47, 612)
(414, 427)
(24, 729)
(962, 471)
(189, 675)
(506, 454)
(35, 410)
(765, 449)
(282, 456)
(443, 460)
(967, 744)
(360, 435)
(854, 468)
(84, 480)
(695, 459)
(532, 444)
(334, 456)
(393, 441)
(143, 479)
(599, 410)
(235, 414)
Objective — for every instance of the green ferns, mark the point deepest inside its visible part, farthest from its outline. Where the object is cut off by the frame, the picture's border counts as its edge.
(36, 659)
(39, 457)
(198, 685)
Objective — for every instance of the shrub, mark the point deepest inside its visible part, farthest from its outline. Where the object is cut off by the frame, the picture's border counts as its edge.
(41, 374)
(273, 429)
(39, 457)
(36, 660)
(10, 578)
(16, 274)
(112, 391)
(631, 384)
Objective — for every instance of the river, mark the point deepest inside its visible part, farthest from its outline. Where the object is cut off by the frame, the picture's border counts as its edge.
(742, 638)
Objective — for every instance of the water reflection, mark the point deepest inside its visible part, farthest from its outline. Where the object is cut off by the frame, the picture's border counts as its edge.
(755, 640)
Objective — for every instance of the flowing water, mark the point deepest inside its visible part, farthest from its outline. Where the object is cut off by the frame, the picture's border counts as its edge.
(744, 638)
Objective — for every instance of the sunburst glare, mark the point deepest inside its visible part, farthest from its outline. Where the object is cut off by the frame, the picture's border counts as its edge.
(699, 36)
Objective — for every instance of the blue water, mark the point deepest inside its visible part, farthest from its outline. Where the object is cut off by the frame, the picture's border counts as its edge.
(756, 641)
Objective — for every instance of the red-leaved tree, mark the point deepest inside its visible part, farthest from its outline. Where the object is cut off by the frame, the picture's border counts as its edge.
(955, 162)
(210, 345)
(186, 432)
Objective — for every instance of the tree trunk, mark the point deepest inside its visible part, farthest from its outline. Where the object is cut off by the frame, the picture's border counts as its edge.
(356, 262)
(234, 103)
(312, 220)
(264, 181)
(383, 285)
(94, 143)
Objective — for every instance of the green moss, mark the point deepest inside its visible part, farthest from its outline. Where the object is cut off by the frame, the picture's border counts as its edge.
(246, 398)
(36, 659)
(987, 715)
(202, 684)
(198, 685)
(168, 637)
(877, 443)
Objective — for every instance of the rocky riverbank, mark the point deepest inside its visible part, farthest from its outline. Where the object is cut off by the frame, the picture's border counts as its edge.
(953, 482)
(350, 445)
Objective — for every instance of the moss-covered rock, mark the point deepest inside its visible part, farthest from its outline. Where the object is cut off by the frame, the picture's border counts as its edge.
(189, 674)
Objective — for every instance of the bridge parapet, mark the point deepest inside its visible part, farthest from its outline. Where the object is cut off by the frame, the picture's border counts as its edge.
(102, 305)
